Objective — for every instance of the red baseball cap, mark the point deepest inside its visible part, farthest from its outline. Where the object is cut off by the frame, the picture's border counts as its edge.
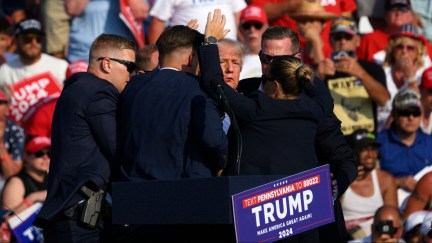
(253, 13)
(426, 81)
(76, 67)
(37, 144)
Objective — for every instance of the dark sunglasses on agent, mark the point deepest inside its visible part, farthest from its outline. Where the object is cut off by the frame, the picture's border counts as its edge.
(248, 25)
(131, 66)
(266, 59)
(41, 153)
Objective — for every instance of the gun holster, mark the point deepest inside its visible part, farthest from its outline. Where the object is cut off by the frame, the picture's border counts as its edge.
(92, 207)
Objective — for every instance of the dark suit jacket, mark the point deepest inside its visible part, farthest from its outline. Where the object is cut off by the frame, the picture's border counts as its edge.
(330, 144)
(278, 135)
(170, 129)
(83, 142)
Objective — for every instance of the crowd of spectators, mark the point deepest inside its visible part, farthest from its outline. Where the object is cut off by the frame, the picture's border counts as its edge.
(381, 83)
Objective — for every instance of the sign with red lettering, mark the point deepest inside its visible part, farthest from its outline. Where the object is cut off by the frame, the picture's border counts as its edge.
(285, 207)
(30, 93)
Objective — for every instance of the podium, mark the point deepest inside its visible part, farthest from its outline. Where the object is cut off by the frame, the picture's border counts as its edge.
(186, 209)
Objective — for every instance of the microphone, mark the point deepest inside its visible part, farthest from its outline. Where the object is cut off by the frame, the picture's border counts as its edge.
(217, 88)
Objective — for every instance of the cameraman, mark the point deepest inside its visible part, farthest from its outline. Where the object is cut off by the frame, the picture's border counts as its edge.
(386, 226)
(357, 86)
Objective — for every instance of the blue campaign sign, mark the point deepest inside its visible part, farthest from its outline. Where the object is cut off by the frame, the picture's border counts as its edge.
(285, 207)
(22, 227)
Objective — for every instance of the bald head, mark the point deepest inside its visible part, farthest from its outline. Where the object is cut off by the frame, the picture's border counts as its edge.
(388, 213)
(387, 224)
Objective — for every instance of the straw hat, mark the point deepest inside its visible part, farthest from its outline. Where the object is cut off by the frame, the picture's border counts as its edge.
(311, 10)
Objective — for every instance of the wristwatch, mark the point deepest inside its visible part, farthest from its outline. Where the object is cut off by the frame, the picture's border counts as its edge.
(211, 40)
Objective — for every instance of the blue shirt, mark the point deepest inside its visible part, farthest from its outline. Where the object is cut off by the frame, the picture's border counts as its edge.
(402, 160)
(99, 16)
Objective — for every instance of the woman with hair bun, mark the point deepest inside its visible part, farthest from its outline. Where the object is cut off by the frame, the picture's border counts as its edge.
(278, 126)
(290, 76)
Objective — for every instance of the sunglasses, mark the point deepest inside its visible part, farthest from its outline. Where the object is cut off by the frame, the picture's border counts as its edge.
(266, 59)
(400, 47)
(40, 154)
(339, 37)
(130, 66)
(256, 25)
(408, 113)
(402, 9)
(29, 39)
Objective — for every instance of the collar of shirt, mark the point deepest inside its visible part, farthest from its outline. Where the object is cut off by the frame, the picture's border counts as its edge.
(170, 68)
(396, 138)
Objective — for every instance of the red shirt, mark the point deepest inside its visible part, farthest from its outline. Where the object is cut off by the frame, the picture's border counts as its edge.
(372, 43)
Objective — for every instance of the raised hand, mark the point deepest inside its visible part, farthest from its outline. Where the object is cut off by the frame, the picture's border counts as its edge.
(215, 25)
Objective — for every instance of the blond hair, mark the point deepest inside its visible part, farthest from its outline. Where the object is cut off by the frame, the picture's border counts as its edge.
(291, 73)
(393, 42)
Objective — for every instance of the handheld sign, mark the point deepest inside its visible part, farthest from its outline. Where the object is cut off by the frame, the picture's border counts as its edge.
(22, 225)
(285, 207)
(136, 27)
(30, 93)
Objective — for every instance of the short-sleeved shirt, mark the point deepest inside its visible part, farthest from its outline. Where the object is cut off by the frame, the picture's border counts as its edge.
(402, 160)
(353, 105)
(180, 12)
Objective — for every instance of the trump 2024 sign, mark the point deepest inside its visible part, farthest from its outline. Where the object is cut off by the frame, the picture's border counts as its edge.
(285, 207)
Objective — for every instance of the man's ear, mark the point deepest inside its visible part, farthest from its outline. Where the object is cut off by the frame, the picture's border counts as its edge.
(106, 65)
(276, 86)
(190, 59)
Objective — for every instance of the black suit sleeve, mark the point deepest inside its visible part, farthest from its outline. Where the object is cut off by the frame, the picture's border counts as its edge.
(208, 128)
(101, 116)
(208, 56)
(332, 148)
(319, 92)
